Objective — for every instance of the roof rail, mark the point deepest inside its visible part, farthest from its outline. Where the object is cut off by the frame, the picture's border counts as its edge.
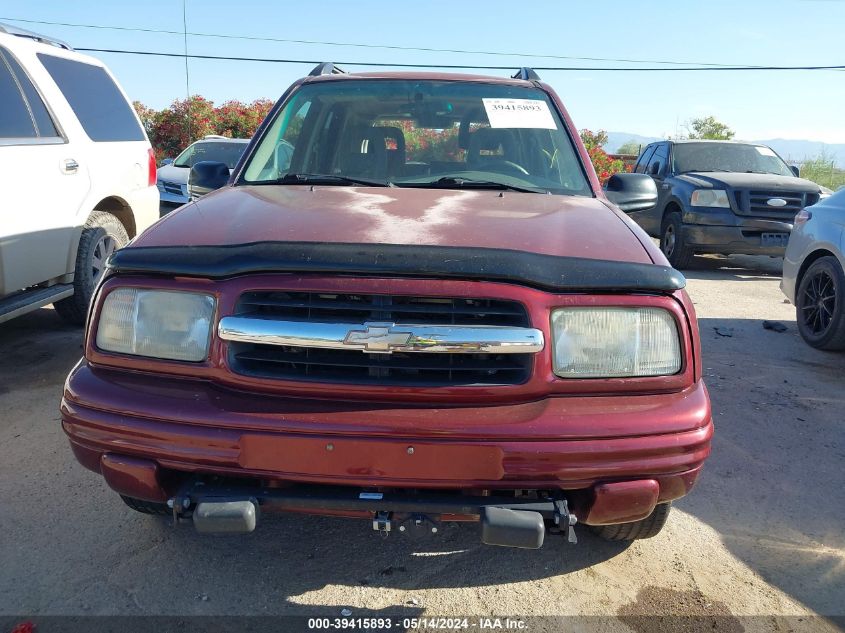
(527, 74)
(326, 68)
(44, 39)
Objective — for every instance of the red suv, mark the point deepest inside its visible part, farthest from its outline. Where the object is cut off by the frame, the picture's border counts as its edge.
(411, 302)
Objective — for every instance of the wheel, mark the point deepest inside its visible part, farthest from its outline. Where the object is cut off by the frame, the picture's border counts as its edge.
(644, 528)
(820, 305)
(147, 507)
(672, 241)
(101, 236)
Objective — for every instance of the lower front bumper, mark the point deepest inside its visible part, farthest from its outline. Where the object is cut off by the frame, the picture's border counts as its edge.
(727, 233)
(172, 198)
(729, 241)
(115, 426)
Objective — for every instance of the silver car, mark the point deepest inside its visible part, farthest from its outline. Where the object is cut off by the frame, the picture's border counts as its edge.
(172, 179)
(813, 278)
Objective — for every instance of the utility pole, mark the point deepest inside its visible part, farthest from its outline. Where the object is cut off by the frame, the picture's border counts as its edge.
(187, 74)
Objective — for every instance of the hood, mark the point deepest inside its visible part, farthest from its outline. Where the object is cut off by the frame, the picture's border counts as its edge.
(738, 180)
(170, 173)
(533, 223)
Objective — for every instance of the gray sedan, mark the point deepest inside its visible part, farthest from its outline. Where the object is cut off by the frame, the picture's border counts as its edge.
(172, 177)
(813, 278)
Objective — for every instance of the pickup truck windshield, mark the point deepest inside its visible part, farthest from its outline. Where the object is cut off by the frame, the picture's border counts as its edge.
(735, 157)
(418, 133)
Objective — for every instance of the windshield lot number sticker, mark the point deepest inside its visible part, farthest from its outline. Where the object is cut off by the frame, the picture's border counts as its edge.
(519, 113)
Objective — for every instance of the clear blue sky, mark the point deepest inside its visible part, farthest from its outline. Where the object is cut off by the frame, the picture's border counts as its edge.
(786, 104)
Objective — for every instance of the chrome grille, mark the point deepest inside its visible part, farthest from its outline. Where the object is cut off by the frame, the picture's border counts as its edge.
(172, 188)
(756, 203)
(289, 362)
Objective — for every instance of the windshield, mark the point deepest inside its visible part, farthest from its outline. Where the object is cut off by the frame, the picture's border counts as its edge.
(419, 133)
(728, 157)
(219, 151)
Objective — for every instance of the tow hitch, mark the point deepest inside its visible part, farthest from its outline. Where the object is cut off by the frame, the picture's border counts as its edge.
(383, 523)
(505, 521)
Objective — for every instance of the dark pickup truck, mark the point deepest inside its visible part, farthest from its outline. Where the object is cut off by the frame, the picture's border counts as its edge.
(721, 197)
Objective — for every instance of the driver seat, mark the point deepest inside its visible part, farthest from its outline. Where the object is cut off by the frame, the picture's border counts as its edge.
(491, 145)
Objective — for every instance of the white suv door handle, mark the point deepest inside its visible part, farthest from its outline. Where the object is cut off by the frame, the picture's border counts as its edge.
(70, 166)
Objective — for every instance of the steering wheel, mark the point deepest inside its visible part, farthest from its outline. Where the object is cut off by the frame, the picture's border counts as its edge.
(506, 165)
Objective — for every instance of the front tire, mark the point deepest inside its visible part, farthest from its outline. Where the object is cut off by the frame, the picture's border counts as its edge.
(102, 234)
(673, 243)
(820, 305)
(636, 530)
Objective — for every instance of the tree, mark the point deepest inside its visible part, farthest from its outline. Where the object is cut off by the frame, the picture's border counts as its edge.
(709, 128)
(172, 129)
(631, 148)
(147, 116)
(239, 120)
(605, 166)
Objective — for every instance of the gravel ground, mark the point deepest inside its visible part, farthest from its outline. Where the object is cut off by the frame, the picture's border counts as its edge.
(761, 535)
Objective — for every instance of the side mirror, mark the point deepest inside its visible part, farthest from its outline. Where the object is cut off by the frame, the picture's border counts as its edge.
(205, 177)
(795, 170)
(166, 161)
(632, 192)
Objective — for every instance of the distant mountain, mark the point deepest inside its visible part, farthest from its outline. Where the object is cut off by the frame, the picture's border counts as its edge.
(791, 150)
(796, 151)
(615, 140)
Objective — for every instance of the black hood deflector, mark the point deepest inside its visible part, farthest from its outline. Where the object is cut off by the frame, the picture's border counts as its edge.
(547, 272)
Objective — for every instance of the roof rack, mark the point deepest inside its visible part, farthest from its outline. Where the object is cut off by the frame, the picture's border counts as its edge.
(527, 74)
(326, 68)
(44, 39)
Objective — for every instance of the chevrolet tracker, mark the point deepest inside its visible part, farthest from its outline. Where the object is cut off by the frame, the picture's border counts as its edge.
(410, 302)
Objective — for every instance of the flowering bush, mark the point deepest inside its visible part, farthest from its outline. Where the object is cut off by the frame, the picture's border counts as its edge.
(174, 128)
(240, 120)
(604, 165)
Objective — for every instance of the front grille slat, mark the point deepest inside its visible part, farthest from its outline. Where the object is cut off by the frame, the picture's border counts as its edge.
(358, 367)
(339, 306)
(351, 359)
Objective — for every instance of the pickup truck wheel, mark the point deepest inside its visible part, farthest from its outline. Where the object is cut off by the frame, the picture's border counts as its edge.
(644, 528)
(147, 507)
(672, 241)
(820, 305)
(101, 236)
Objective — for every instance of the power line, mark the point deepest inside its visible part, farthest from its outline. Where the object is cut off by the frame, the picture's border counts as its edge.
(360, 45)
(465, 66)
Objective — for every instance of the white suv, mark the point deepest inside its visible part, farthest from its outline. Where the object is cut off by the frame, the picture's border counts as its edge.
(78, 172)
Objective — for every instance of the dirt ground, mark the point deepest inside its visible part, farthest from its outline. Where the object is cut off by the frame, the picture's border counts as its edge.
(761, 535)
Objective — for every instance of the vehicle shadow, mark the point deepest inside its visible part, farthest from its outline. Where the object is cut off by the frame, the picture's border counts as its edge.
(38, 346)
(734, 267)
(774, 486)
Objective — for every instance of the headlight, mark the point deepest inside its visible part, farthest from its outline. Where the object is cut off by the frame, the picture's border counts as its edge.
(710, 198)
(156, 323)
(615, 342)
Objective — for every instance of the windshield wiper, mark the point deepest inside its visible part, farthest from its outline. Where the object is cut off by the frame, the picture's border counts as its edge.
(324, 179)
(447, 182)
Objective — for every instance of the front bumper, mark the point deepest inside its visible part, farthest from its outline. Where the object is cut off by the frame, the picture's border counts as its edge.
(724, 232)
(117, 427)
(173, 198)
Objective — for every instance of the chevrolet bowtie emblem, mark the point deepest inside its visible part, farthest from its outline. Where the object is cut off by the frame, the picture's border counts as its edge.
(377, 338)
